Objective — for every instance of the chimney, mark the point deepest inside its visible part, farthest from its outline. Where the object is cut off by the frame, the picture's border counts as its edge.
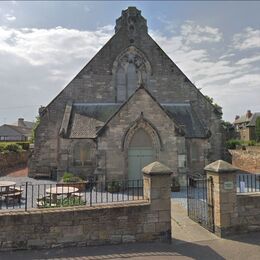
(248, 114)
(237, 117)
(21, 122)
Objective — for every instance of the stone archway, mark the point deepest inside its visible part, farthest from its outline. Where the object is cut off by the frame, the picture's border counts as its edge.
(141, 145)
(140, 153)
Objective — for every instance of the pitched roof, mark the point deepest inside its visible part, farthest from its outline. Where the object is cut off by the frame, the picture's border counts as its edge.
(21, 130)
(250, 121)
(187, 119)
(86, 120)
(253, 119)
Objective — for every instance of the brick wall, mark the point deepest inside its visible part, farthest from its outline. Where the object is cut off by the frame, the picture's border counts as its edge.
(11, 160)
(247, 160)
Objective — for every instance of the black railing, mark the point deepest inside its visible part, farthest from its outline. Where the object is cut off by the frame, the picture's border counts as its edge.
(248, 183)
(200, 204)
(28, 195)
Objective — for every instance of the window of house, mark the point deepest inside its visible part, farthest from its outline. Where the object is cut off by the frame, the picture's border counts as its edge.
(82, 155)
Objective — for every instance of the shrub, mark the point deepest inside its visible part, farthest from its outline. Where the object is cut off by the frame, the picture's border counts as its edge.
(252, 143)
(231, 144)
(114, 186)
(12, 147)
(70, 177)
(25, 145)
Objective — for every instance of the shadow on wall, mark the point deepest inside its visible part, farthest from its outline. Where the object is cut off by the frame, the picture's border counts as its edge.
(140, 251)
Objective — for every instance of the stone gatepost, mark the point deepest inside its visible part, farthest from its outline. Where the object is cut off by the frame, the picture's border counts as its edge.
(224, 196)
(157, 189)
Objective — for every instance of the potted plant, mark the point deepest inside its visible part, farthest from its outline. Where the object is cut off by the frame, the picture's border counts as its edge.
(71, 180)
(114, 186)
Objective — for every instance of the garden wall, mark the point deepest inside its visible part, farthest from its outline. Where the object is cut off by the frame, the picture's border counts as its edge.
(133, 221)
(11, 160)
(248, 206)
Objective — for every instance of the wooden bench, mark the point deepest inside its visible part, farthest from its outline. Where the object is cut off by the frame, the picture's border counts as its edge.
(14, 195)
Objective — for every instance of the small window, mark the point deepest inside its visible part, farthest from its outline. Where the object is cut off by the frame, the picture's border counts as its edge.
(82, 155)
(181, 160)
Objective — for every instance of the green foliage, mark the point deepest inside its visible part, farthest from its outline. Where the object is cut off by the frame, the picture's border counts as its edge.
(231, 144)
(37, 122)
(114, 186)
(217, 107)
(252, 143)
(10, 147)
(70, 177)
(257, 129)
(65, 202)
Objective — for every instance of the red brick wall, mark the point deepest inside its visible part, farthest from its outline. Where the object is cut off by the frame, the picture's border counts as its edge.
(247, 160)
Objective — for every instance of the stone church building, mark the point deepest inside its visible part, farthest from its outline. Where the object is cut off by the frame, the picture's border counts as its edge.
(129, 106)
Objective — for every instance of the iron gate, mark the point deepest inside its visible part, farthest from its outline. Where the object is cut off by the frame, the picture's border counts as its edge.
(200, 202)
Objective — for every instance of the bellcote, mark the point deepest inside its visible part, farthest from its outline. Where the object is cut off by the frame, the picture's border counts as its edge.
(131, 20)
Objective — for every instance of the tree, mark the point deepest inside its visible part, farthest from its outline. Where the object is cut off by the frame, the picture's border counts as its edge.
(217, 107)
(257, 129)
(37, 122)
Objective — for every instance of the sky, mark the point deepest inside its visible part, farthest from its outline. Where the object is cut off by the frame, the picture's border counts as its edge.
(43, 45)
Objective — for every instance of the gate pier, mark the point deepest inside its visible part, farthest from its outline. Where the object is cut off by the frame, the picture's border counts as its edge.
(225, 212)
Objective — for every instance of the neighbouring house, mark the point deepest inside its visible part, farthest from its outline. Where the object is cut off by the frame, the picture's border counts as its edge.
(129, 106)
(20, 131)
(245, 125)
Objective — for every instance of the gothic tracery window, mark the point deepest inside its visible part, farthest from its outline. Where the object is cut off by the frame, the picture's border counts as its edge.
(132, 69)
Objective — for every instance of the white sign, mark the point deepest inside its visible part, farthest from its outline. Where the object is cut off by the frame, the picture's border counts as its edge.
(228, 185)
(242, 185)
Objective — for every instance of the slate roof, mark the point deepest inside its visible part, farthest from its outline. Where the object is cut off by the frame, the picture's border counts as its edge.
(20, 130)
(86, 118)
(253, 119)
(250, 121)
(187, 119)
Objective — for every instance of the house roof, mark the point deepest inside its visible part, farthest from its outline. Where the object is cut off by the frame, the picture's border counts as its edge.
(20, 130)
(88, 119)
(250, 121)
(253, 119)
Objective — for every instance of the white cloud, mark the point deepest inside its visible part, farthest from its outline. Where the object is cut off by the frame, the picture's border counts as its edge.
(248, 80)
(247, 39)
(10, 17)
(194, 33)
(248, 60)
(38, 63)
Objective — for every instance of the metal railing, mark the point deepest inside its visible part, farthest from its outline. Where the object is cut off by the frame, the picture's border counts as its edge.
(247, 183)
(29, 196)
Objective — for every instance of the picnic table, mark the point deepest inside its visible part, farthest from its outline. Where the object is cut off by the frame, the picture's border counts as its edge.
(9, 191)
(60, 190)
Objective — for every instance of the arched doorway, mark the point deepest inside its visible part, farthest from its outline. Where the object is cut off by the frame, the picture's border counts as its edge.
(140, 153)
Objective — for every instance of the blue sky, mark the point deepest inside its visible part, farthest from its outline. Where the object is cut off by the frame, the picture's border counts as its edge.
(44, 44)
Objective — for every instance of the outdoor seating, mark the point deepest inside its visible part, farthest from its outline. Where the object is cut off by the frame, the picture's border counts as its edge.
(14, 195)
(45, 202)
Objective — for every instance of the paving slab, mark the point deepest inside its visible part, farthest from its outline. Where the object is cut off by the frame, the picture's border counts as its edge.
(186, 230)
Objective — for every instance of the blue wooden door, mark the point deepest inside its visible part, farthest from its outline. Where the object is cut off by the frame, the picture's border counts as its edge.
(137, 159)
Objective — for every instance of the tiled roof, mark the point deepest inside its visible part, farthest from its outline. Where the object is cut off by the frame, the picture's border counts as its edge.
(186, 118)
(250, 121)
(22, 130)
(84, 126)
(86, 119)
(253, 119)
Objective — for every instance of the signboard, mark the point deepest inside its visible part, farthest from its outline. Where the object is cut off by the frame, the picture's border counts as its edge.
(228, 185)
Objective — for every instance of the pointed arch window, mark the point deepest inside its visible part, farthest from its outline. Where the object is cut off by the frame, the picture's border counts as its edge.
(130, 70)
